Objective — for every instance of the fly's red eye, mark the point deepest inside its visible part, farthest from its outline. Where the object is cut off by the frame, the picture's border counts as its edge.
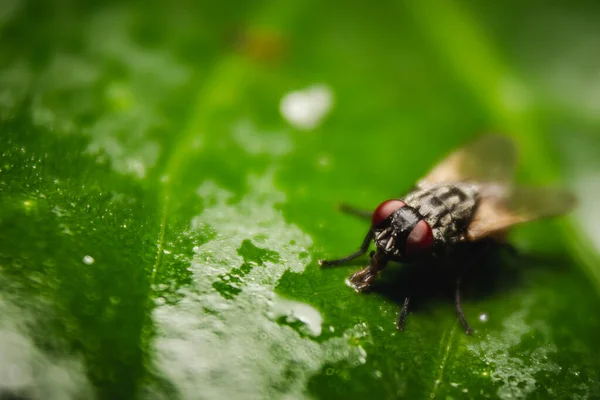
(420, 238)
(386, 209)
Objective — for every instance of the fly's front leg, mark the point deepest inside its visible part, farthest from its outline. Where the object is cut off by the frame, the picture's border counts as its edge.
(362, 280)
(403, 313)
(363, 249)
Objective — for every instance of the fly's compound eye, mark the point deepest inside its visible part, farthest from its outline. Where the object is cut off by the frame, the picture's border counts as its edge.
(420, 239)
(385, 209)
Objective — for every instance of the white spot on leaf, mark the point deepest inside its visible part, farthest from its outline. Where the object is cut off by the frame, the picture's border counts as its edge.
(28, 371)
(232, 347)
(305, 109)
(296, 311)
(515, 374)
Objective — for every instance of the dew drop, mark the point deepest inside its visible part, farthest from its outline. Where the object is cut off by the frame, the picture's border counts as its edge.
(88, 260)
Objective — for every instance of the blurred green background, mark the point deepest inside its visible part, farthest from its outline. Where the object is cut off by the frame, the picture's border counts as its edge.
(169, 173)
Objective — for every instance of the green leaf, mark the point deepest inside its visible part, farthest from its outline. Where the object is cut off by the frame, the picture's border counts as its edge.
(161, 213)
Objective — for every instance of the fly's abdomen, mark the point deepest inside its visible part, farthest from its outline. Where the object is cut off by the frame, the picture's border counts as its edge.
(447, 208)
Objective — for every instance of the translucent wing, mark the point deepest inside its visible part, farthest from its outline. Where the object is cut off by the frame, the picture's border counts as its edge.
(502, 206)
(490, 158)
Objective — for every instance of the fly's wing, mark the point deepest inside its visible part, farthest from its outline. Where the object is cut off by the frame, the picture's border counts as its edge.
(502, 206)
(490, 158)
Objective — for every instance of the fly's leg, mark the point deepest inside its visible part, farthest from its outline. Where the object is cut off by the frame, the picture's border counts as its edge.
(357, 212)
(475, 255)
(366, 241)
(459, 310)
(362, 280)
(363, 249)
(403, 313)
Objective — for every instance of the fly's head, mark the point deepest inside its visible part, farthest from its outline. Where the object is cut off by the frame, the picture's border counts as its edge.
(400, 232)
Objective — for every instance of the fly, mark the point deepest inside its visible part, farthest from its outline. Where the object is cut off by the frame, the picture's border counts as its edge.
(467, 198)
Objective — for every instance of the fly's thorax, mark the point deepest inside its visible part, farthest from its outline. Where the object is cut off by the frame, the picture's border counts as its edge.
(448, 208)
